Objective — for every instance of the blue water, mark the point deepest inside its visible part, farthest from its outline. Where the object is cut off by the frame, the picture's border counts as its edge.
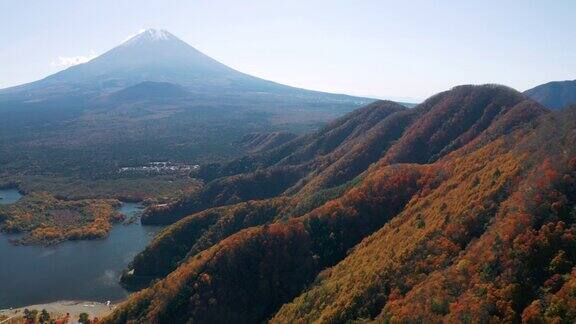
(9, 196)
(82, 270)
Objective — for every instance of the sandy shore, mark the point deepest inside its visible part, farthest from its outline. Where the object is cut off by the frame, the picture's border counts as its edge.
(59, 309)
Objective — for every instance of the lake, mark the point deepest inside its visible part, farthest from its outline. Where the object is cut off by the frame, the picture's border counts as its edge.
(81, 270)
(9, 196)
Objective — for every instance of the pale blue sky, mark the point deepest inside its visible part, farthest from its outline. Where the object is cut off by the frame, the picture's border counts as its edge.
(396, 49)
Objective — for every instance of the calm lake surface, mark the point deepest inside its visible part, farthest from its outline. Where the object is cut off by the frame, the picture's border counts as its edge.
(9, 196)
(82, 270)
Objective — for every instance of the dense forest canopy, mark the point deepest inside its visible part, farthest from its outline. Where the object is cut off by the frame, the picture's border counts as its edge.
(459, 209)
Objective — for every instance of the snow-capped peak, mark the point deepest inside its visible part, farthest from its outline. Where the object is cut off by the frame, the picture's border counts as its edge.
(157, 34)
(150, 35)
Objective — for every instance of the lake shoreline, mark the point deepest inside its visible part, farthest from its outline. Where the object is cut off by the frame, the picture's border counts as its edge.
(60, 309)
(69, 270)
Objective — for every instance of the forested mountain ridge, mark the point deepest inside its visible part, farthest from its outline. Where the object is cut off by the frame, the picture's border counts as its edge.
(345, 148)
(283, 167)
(479, 252)
(270, 173)
(395, 242)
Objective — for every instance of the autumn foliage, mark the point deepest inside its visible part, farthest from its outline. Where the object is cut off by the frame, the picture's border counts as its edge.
(469, 215)
(282, 170)
(47, 220)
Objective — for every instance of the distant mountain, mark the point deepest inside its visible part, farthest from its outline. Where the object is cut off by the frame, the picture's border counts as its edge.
(554, 95)
(460, 209)
(152, 98)
(157, 55)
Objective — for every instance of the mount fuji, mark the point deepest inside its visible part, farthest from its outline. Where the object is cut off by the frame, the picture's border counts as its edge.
(152, 98)
(158, 56)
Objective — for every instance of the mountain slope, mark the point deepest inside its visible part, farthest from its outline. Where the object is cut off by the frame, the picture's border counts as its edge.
(495, 258)
(374, 126)
(258, 142)
(273, 172)
(287, 254)
(149, 90)
(554, 95)
(247, 274)
(348, 146)
(374, 130)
